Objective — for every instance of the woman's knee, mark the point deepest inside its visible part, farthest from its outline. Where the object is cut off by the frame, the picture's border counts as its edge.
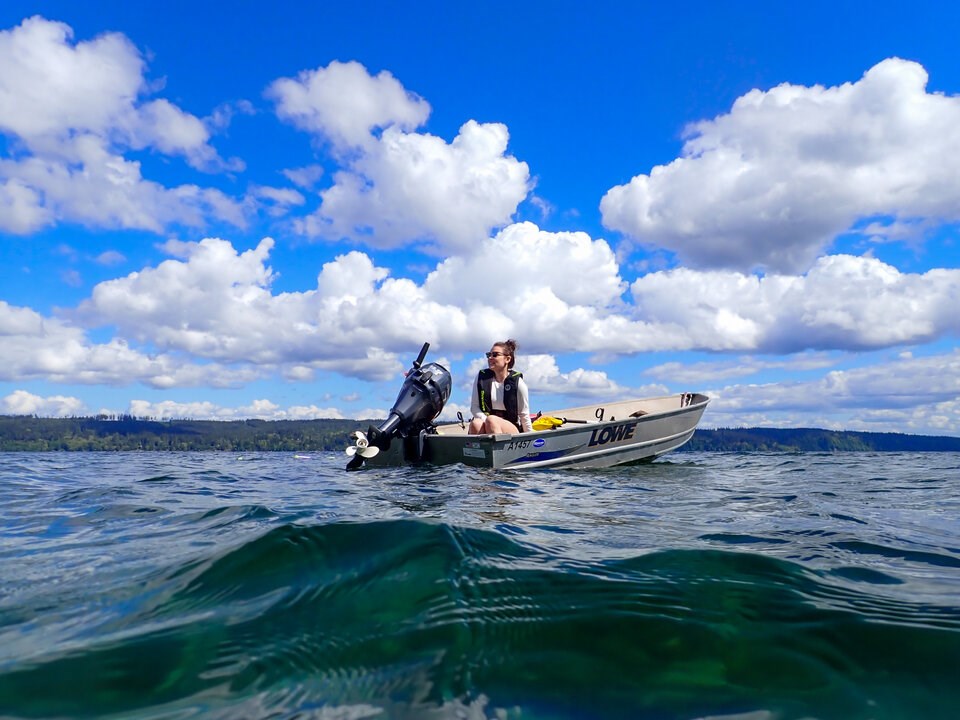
(496, 424)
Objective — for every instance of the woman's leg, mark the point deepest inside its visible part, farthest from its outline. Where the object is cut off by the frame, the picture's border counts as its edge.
(494, 424)
(475, 427)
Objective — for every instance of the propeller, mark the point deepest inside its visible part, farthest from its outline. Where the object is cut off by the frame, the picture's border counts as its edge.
(362, 446)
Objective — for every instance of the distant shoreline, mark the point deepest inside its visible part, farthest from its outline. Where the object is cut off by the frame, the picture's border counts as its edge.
(815, 440)
(27, 433)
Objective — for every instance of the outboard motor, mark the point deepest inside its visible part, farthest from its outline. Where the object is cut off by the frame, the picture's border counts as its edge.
(424, 392)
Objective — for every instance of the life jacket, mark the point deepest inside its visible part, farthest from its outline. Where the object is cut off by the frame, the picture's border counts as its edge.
(511, 398)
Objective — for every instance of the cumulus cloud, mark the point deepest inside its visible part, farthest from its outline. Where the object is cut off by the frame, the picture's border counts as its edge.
(564, 294)
(771, 183)
(542, 374)
(21, 402)
(709, 372)
(577, 269)
(214, 319)
(398, 186)
(885, 397)
(413, 187)
(259, 409)
(71, 111)
(843, 302)
(216, 303)
(345, 104)
(34, 347)
(49, 86)
(560, 291)
(206, 306)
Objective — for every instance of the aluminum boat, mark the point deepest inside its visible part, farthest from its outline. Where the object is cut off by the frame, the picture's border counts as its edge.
(591, 436)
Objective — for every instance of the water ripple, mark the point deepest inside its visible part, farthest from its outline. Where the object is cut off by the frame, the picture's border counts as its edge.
(707, 585)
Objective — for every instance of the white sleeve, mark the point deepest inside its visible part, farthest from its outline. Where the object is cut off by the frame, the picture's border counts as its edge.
(475, 403)
(523, 396)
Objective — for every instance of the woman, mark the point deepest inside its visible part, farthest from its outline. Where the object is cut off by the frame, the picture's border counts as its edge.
(500, 402)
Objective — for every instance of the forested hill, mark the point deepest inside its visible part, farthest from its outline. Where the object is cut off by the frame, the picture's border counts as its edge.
(816, 440)
(129, 433)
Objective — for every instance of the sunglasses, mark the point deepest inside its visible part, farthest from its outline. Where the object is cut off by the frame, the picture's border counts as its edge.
(496, 354)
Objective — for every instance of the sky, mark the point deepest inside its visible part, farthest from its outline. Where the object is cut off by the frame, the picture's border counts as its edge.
(264, 213)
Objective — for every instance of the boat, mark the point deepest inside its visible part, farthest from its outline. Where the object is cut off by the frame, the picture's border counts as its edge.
(591, 436)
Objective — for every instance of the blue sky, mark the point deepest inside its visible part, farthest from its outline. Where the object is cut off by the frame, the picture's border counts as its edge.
(265, 213)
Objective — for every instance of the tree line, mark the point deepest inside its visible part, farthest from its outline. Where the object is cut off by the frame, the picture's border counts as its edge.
(125, 432)
(815, 440)
(19, 432)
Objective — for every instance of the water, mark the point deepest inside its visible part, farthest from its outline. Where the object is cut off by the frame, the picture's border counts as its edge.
(757, 587)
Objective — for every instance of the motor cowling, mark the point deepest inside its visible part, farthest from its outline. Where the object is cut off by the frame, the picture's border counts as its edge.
(424, 392)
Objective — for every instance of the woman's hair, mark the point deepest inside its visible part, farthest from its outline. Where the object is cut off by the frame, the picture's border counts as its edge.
(511, 347)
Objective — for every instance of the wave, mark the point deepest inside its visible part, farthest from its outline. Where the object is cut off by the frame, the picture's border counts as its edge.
(411, 618)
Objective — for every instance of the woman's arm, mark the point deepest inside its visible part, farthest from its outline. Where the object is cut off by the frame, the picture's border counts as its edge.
(523, 407)
(475, 404)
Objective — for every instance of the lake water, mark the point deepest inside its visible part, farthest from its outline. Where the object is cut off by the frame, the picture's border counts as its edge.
(703, 585)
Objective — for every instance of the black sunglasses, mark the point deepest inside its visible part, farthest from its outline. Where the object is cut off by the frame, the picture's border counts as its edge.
(496, 354)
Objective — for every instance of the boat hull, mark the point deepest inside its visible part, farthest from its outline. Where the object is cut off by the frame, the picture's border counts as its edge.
(633, 431)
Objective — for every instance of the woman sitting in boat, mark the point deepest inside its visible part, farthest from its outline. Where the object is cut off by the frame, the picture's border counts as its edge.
(500, 402)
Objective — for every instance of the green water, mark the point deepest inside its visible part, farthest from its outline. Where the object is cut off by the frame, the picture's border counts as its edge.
(711, 586)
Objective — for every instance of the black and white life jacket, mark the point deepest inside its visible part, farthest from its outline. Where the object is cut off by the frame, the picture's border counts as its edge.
(511, 396)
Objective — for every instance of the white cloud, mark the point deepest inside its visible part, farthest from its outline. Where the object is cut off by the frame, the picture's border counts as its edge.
(298, 373)
(885, 397)
(345, 104)
(546, 382)
(398, 186)
(304, 177)
(21, 402)
(34, 347)
(772, 182)
(844, 302)
(259, 409)
(560, 291)
(110, 257)
(167, 128)
(207, 306)
(222, 115)
(278, 200)
(21, 207)
(520, 261)
(703, 372)
(50, 87)
(417, 188)
(88, 184)
(350, 277)
(542, 374)
(72, 110)
(217, 304)
(882, 398)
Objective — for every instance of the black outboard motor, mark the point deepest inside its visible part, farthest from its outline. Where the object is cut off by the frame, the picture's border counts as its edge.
(425, 391)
